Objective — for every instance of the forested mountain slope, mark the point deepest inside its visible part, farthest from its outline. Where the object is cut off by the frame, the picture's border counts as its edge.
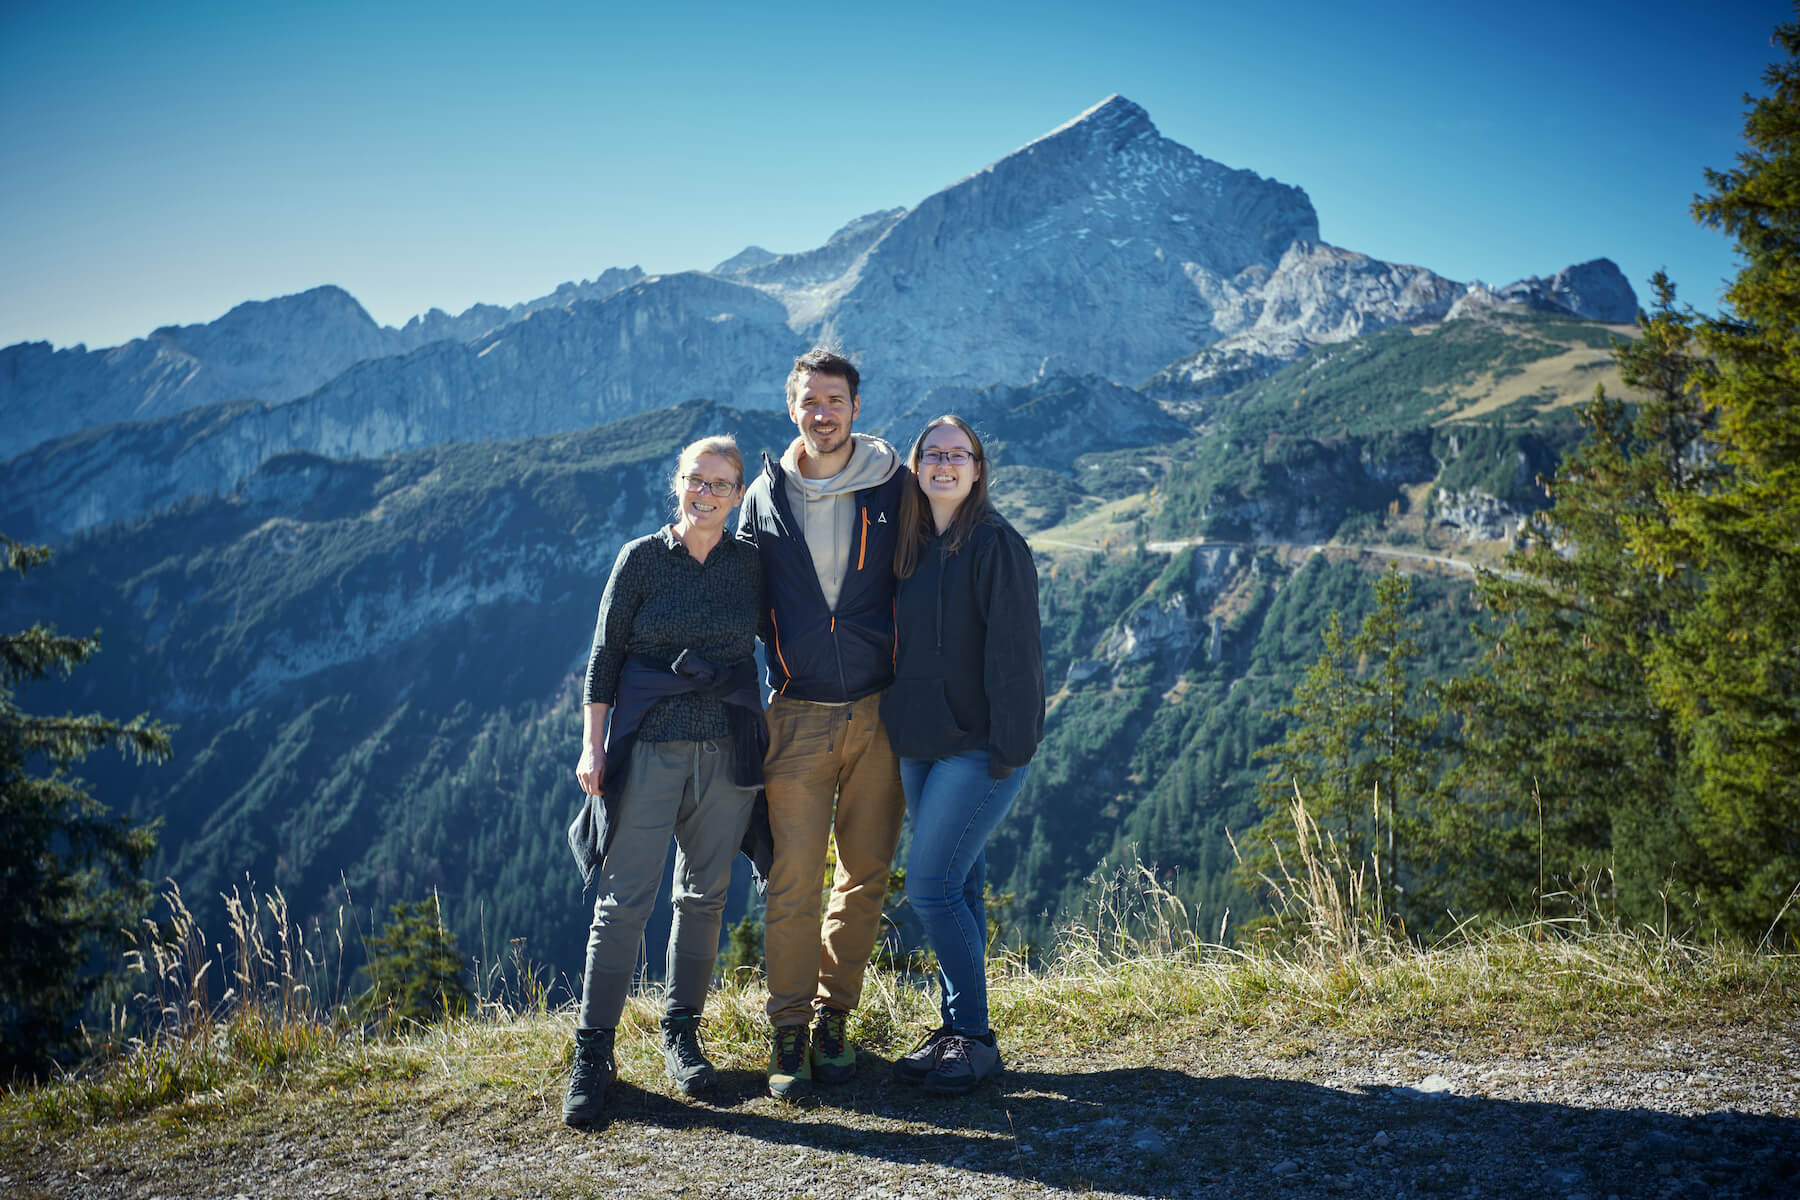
(374, 663)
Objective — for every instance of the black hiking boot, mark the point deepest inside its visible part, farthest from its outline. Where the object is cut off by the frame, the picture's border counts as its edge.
(594, 1070)
(683, 1059)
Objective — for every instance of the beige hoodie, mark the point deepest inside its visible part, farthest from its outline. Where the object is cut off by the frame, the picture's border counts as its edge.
(826, 508)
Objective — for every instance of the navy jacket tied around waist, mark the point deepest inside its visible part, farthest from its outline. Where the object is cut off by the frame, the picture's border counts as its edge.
(644, 681)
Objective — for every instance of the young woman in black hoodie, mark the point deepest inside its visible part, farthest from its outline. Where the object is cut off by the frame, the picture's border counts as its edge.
(965, 714)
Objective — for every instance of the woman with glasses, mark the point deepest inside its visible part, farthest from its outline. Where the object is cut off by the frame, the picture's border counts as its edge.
(965, 714)
(672, 742)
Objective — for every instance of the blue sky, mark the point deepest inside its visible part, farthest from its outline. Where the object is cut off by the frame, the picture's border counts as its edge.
(161, 163)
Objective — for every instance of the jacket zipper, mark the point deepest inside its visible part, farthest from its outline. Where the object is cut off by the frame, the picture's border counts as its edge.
(786, 675)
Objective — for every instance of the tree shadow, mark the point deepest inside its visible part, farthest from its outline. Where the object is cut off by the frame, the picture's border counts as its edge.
(1157, 1132)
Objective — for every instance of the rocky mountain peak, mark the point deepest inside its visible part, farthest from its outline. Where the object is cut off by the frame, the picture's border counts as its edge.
(1109, 125)
(1133, 248)
(1595, 290)
(743, 260)
(325, 304)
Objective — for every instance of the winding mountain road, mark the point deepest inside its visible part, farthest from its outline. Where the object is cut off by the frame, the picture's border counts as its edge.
(1312, 548)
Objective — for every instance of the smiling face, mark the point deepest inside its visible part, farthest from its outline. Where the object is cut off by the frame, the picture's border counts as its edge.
(824, 409)
(701, 509)
(944, 482)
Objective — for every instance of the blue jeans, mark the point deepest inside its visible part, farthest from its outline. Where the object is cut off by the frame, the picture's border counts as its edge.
(955, 809)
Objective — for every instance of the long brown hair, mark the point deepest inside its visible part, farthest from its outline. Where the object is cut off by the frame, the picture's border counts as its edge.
(916, 525)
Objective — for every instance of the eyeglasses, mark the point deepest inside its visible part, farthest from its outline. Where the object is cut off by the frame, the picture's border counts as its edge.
(720, 489)
(955, 458)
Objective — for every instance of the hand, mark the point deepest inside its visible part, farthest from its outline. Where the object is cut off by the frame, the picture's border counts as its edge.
(590, 772)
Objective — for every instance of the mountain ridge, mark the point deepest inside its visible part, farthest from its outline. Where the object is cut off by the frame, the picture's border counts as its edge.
(1100, 248)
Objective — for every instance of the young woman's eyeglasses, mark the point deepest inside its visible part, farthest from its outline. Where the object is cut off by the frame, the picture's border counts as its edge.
(720, 489)
(955, 458)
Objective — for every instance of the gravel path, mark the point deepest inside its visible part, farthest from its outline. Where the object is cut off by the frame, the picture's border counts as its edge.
(1716, 1115)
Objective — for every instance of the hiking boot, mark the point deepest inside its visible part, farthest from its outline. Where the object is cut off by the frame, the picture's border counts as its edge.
(683, 1059)
(594, 1070)
(916, 1065)
(963, 1064)
(833, 1057)
(790, 1066)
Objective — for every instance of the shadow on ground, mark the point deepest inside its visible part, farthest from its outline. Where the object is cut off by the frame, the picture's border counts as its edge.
(1156, 1132)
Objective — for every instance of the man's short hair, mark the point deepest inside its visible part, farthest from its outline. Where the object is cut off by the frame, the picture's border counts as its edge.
(825, 362)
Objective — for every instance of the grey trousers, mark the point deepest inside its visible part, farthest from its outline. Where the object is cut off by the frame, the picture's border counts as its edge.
(684, 788)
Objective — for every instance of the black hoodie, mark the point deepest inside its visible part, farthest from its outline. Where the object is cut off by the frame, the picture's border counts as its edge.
(969, 670)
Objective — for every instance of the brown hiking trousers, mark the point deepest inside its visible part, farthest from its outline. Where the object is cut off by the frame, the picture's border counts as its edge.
(829, 773)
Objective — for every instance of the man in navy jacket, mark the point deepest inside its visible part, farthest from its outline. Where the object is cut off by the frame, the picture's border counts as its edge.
(825, 520)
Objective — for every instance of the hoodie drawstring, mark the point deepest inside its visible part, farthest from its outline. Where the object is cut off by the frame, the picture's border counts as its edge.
(940, 600)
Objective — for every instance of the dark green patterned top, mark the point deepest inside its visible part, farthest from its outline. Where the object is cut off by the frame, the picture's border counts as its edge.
(659, 602)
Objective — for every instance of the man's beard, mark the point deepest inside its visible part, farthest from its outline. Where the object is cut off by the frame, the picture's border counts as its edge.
(826, 443)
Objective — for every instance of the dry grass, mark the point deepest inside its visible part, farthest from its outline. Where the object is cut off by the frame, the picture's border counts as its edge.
(1108, 528)
(1558, 381)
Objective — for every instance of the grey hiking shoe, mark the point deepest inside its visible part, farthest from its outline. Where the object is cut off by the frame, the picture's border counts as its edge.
(594, 1070)
(914, 1066)
(963, 1064)
(683, 1059)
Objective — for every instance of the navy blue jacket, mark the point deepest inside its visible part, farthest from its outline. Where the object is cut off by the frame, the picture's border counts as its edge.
(813, 652)
(971, 663)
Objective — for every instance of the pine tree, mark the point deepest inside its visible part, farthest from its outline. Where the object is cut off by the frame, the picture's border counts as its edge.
(1316, 759)
(743, 954)
(1568, 787)
(415, 971)
(1729, 668)
(1399, 734)
(1359, 756)
(69, 878)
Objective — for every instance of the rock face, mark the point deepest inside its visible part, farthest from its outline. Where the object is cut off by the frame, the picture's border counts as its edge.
(1317, 295)
(1100, 248)
(1150, 632)
(267, 350)
(1301, 491)
(1592, 291)
(811, 283)
(1326, 294)
(438, 325)
(743, 260)
(1474, 515)
(274, 348)
(1166, 635)
(654, 344)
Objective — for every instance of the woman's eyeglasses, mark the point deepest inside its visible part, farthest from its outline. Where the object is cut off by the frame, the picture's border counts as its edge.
(954, 458)
(720, 489)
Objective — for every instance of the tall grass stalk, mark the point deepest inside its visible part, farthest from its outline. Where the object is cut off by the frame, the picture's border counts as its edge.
(284, 1002)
